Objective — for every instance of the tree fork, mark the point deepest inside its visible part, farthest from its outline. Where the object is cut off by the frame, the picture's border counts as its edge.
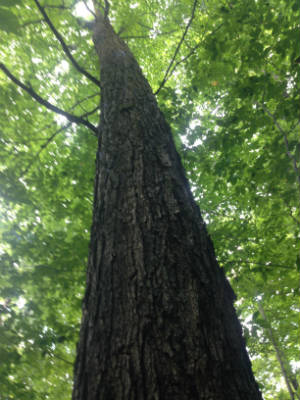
(158, 320)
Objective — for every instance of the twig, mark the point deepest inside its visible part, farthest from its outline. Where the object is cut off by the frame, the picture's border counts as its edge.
(65, 47)
(83, 100)
(77, 103)
(88, 8)
(32, 93)
(278, 351)
(147, 36)
(186, 57)
(256, 263)
(105, 9)
(49, 140)
(193, 49)
(286, 142)
(43, 146)
(297, 221)
(61, 358)
(37, 21)
(57, 7)
(177, 48)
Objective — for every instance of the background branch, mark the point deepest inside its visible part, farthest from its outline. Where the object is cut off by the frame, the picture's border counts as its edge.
(88, 8)
(286, 142)
(65, 47)
(177, 48)
(45, 103)
(147, 36)
(256, 263)
(50, 139)
(184, 59)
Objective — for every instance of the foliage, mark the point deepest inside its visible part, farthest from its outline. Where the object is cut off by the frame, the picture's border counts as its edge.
(232, 101)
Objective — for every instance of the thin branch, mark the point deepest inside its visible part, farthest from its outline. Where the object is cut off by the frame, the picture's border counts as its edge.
(43, 146)
(256, 263)
(278, 352)
(178, 48)
(50, 139)
(297, 221)
(37, 21)
(286, 142)
(135, 37)
(192, 51)
(88, 8)
(77, 103)
(61, 358)
(45, 103)
(147, 36)
(186, 57)
(65, 47)
(61, 7)
(83, 100)
(105, 9)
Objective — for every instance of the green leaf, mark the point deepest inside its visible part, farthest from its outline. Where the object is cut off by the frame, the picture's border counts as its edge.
(9, 3)
(8, 21)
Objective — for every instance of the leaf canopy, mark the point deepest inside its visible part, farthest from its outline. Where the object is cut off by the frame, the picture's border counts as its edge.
(232, 98)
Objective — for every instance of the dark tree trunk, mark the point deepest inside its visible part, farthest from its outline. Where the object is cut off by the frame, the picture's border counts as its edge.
(158, 320)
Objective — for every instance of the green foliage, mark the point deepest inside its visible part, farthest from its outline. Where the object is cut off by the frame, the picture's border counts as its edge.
(232, 102)
(8, 21)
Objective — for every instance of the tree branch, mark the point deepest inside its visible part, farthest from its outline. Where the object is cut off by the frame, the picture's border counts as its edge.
(79, 102)
(278, 351)
(187, 56)
(37, 21)
(43, 146)
(61, 358)
(65, 47)
(106, 8)
(193, 50)
(177, 48)
(256, 263)
(45, 103)
(87, 7)
(286, 142)
(49, 140)
(147, 36)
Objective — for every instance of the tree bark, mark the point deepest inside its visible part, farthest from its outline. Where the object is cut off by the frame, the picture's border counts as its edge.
(158, 320)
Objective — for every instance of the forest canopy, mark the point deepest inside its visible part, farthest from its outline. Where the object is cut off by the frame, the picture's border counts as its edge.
(226, 76)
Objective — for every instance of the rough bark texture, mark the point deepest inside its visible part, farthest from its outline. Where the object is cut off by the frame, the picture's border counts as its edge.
(158, 320)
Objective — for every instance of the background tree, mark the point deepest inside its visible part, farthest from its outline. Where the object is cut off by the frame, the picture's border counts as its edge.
(232, 103)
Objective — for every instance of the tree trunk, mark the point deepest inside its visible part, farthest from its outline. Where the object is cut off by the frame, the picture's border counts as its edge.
(158, 320)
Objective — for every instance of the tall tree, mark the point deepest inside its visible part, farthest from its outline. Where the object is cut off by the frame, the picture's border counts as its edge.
(158, 320)
(229, 88)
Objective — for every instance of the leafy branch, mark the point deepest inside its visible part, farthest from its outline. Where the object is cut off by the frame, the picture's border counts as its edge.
(64, 46)
(193, 49)
(105, 9)
(88, 8)
(256, 263)
(33, 22)
(285, 138)
(62, 359)
(48, 126)
(50, 139)
(147, 36)
(177, 48)
(45, 103)
(279, 355)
